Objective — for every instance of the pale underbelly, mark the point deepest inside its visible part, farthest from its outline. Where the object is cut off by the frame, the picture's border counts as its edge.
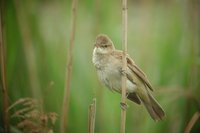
(113, 81)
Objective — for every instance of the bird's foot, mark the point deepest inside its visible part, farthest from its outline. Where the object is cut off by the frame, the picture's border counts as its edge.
(123, 72)
(127, 93)
(124, 106)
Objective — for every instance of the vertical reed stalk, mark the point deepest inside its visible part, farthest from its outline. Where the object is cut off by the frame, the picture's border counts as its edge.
(65, 107)
(97, 26)
(3, 70)
(28, 47)
(91, 116)
(192, 8)
(124, 44)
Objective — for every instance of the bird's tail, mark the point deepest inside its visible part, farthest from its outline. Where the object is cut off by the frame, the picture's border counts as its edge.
(153, 107)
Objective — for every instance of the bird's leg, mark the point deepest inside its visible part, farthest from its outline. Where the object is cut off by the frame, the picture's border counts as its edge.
(127, 93)
(124, 106)
(123, 72)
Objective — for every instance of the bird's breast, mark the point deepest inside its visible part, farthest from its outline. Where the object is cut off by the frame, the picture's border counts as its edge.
(109, 72)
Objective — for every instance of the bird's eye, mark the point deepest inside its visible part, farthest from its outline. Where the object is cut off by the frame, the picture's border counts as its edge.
(105, 46)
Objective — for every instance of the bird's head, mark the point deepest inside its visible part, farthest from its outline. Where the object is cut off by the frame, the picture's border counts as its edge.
(103, 44)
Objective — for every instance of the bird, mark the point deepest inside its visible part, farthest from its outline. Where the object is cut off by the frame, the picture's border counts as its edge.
(108, 63)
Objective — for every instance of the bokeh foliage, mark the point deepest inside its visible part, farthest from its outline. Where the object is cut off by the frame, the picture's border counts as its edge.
(163, 39)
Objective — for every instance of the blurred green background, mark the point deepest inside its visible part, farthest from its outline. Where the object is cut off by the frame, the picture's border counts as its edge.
(163, 39)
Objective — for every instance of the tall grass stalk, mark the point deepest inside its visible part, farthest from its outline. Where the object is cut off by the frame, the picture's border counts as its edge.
(3, 71)
(91, 116)
(29, 50)
(191, 123)
(124, 43)
(65, 107)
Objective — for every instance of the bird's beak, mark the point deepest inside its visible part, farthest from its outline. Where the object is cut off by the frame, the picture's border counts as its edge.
(96, 45)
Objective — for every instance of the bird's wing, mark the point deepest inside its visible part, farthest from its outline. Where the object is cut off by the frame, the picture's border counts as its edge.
(133, 97)
(135, 69)
(140, 74)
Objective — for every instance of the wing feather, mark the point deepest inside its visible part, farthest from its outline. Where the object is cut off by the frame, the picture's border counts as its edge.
(138, 72)
(135, 69)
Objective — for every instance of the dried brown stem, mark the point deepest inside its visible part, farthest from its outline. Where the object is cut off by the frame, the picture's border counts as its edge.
(192, 122)
(124, 43)
(91, 116)
(192, 32)
(64, 118)
(3, 71)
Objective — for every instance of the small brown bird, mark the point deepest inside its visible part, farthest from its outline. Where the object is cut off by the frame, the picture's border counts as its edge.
(108, 63)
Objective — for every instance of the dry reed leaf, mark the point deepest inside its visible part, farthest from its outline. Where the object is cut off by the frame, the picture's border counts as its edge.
(27, 123)
(31, 102)
(53, 117)
(50, 131)
(23, 111)
(44, 120)
(33, 114)
(32, 118)
(20, 101)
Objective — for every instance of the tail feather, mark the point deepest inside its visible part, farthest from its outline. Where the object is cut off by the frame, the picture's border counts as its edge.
(154, 108)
